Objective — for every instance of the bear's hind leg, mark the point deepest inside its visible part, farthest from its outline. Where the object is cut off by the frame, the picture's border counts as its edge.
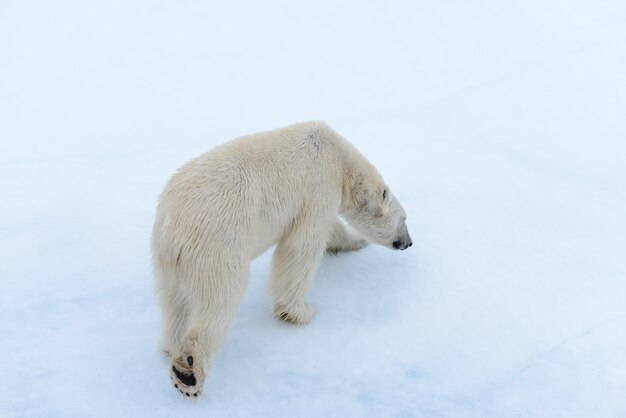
(341, 238)
(214, 304)
(294, 263)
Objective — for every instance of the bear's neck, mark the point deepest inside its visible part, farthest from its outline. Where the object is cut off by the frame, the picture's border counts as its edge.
(355, 169)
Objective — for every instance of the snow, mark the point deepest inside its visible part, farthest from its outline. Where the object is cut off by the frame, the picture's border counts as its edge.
(499, 125)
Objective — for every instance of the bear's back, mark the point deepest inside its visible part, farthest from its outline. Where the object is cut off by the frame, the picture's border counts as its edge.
(255, 185)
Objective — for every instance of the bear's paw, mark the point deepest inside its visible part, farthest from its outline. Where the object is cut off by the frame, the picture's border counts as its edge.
(300, 314)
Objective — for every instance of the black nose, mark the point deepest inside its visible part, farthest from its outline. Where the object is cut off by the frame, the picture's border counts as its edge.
(402, 245)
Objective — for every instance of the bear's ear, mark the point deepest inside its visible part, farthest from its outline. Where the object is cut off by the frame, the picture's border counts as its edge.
(384, 195)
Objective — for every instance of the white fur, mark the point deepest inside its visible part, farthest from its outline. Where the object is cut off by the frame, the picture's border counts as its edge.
(221, 210)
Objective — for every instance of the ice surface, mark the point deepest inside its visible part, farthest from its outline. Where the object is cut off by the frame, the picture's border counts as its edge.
(501, 126)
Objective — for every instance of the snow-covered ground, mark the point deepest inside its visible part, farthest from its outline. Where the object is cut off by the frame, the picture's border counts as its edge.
(501, 126)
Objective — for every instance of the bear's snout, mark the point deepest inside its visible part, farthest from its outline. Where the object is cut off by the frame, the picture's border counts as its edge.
(402, 244)
(403, 239)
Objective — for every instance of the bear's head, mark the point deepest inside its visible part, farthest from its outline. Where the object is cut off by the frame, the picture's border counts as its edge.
(377, 215)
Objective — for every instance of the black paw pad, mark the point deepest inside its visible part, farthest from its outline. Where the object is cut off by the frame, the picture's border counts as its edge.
(189, 380)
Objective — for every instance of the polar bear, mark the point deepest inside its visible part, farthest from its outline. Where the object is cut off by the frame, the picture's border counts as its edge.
(285, 187)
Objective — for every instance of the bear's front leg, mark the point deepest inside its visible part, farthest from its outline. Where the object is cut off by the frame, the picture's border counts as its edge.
(294, 264)
(342, 238)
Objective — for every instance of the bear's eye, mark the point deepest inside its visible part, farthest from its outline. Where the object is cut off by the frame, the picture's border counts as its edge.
(384, 194)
